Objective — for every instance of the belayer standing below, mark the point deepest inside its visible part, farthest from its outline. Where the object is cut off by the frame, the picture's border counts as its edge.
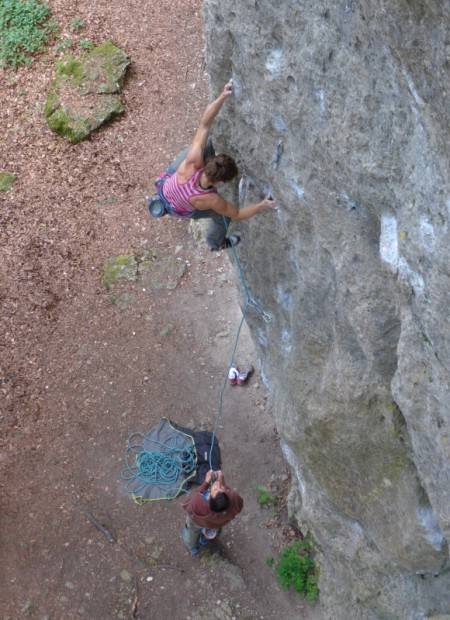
(212, 506)
(189, 189)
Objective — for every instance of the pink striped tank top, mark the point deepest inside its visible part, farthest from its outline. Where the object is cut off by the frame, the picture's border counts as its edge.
(178, 194)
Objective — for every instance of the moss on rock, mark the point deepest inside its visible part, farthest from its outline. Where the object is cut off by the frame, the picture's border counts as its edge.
(83, 95)
(122, 267)
(6, 181)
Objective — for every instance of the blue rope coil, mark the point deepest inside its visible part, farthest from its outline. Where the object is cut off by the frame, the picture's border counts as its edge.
(162, 466)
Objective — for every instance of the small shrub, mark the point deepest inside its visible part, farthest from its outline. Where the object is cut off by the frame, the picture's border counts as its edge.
(25, 27)
(270, 562)
(77, 24)
(63, 45)
(265, 497)
(296, 568)
(85, 44)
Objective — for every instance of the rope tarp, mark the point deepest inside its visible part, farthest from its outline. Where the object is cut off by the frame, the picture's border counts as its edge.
(159, 464)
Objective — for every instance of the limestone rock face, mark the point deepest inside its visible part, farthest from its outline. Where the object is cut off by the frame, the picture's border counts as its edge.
(84, 93)
(342, 110)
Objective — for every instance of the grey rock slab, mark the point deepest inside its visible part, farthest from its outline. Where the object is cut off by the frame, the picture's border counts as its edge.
(163, 272)
(341, 110)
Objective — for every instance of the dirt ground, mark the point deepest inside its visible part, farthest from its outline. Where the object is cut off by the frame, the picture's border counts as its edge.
(79, 373)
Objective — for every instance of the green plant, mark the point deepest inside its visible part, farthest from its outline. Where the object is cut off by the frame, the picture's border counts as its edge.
(77, 24)
(63, 45)
(270, 562)
(25, 27)
(296, 568)
(265, 497)
(85, 44)
(7, 180)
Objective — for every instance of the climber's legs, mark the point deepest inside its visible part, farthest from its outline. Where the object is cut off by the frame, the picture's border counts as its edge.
(215, 237)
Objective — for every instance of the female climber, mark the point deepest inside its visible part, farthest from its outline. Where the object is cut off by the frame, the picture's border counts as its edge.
(187, 189)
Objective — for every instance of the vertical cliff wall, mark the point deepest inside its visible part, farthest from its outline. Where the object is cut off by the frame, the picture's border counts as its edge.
(343, 109)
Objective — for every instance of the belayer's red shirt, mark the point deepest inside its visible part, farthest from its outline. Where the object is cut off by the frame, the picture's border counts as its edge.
(198, 508)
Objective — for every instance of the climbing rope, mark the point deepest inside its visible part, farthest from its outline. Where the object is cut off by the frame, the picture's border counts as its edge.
(249, 301)
(162, 466)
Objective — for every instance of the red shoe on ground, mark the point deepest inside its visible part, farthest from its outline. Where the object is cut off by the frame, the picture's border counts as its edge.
(233, 375)
(244, 375)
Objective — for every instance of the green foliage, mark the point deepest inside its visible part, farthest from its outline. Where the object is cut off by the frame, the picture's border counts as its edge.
(71, 68)
(296, 568)
(6, 181)
(265, 497)
(270, 562)
(63, 45)
(77, 24)
(25, 27)
(85, 44)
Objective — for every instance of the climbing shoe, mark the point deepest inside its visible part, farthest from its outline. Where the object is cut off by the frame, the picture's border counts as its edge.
(203, 540)
(231, 241)
(195, 551)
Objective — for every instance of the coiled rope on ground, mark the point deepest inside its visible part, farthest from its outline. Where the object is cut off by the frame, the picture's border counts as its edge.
(162, 466)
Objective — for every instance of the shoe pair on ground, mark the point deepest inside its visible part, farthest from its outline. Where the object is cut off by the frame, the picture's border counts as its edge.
(239, 377)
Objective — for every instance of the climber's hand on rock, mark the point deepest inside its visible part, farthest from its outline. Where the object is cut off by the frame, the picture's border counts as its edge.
(208, 476)
(268, 203)
(228, 89)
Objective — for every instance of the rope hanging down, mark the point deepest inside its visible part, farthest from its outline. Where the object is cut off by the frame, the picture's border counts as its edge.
(249, 301)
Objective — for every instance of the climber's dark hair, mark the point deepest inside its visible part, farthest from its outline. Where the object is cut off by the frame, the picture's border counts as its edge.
(221, 168)
(219, 502)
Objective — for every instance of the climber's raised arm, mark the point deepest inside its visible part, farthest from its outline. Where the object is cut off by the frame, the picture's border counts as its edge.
(189, 189)
(195, 153)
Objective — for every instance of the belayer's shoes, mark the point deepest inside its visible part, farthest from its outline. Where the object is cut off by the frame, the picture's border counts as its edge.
(237, 376)
(233, 375)
(244, 375)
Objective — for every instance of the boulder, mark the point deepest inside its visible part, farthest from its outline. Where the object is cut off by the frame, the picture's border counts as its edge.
(84, 94)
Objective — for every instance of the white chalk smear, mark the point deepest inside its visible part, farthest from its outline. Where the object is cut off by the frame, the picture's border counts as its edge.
(389, 254)
(284, 298)
(286, 341)
(389, 241)
(321, 94)
(412, 88)
(428, 521)
(412, 277)
(293, 462)
(298, 189)
(427, 233)
(274, 62)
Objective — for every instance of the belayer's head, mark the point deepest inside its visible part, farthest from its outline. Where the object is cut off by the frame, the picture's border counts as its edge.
(221, 168)
(218, 500)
